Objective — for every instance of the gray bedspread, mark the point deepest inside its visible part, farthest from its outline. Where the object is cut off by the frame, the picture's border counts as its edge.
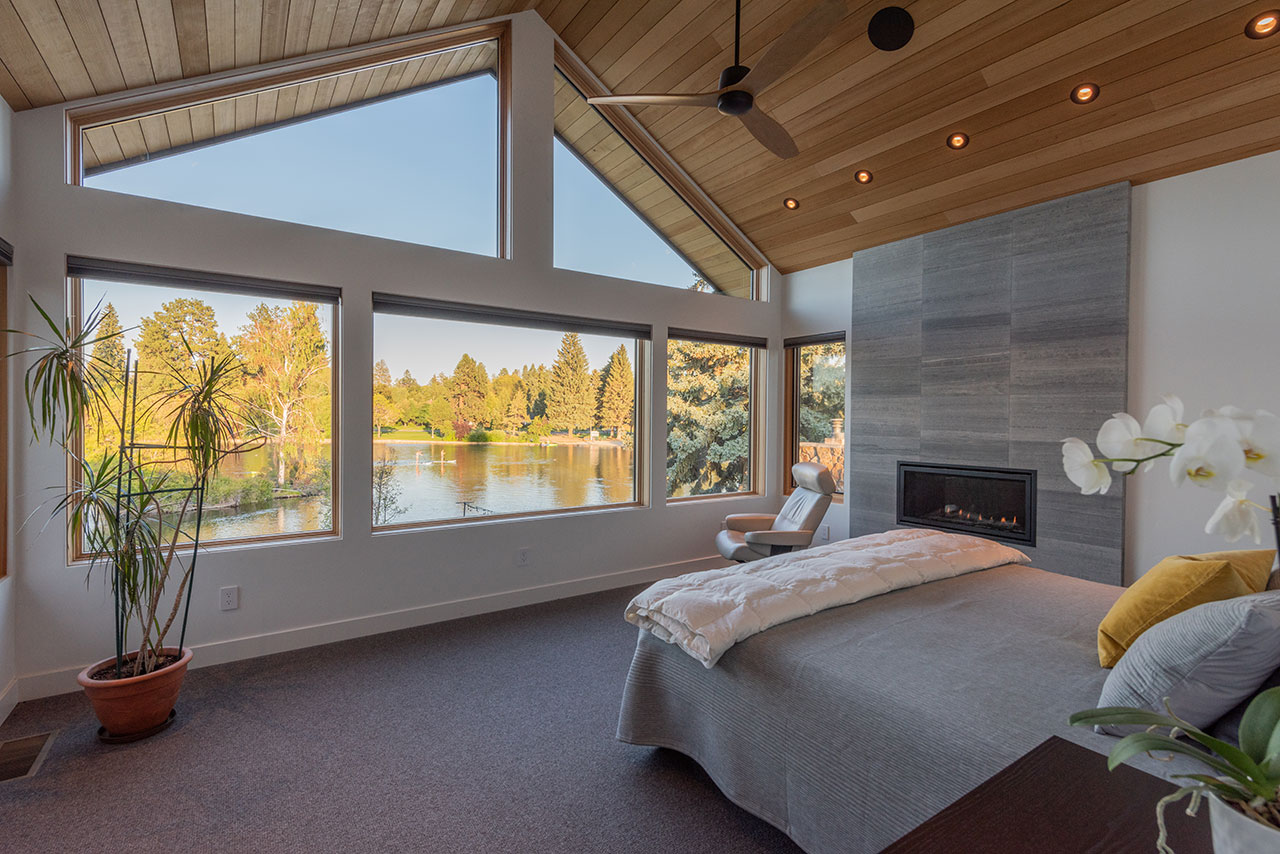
(848, 728)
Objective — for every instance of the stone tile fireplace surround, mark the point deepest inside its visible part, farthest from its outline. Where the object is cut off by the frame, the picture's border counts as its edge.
(986, 344)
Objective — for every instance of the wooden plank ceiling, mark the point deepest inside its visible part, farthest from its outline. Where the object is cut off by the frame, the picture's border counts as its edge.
(1182, 88)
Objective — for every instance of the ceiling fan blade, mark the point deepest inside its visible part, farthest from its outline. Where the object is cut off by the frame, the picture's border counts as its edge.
(795, 44)
(770, 134)
(700, 99)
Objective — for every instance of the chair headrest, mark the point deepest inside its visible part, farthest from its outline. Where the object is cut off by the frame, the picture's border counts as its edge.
(815, 477)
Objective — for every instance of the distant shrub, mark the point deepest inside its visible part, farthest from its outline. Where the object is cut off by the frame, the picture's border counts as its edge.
(480, 435)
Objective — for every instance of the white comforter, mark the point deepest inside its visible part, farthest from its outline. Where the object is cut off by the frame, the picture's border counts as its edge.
(705, 613)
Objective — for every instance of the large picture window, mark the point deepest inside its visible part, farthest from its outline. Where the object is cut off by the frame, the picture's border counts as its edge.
(616, 216)
(283, 346)
(816, 397)
(500, 414)
(406, 150)
(710, 414)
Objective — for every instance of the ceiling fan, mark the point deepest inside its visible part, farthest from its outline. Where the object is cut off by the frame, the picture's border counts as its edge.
(739, 85)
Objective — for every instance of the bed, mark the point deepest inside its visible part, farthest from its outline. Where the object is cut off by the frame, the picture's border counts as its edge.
(847, 728)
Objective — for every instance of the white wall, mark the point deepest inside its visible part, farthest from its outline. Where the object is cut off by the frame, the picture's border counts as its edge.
(1204, 324)
(8, 217)
(314, 591)
(816, 301)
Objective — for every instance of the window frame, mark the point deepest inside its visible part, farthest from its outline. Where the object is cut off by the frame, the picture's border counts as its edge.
(759, 349)
(643, 143)
(6, 261)
(791, 407)
(502, 316)
(235, 83)
(218, 283)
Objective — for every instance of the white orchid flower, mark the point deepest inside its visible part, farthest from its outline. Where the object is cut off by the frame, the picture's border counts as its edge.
(1120, 437)
(1083, 470)
(1260, 442)
(1234, 517)
(1212, 455)
(1164, 421)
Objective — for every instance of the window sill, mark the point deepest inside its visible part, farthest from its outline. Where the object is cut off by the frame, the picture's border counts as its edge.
(713, 496)
(239, 545)
(498, 519)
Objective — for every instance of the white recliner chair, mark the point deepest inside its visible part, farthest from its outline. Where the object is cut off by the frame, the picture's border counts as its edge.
(751, 536)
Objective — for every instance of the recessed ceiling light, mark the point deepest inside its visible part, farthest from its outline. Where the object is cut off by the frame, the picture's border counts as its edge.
(1264, 25)
(1085, 93)
(790, 204)
(862, 176)
(957, 141)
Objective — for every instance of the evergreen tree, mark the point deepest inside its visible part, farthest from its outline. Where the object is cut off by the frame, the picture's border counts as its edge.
(381, 374)
(406, 379)
(109, 351)
(618, 393)
(708, 418)
(517, 411)
(570, 397)
(469, 391)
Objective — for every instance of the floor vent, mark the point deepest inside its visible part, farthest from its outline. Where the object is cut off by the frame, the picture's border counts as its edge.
(22, 757)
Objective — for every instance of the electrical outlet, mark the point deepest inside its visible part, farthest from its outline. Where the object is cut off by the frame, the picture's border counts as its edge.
(825, 533)
(524, 557)
(230, 598)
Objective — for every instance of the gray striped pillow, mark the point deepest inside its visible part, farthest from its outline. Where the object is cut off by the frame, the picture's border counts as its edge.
(1205, 660)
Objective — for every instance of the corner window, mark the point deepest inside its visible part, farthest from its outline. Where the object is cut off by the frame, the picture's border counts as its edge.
(282, 341)
(615, 215)
(406, 150)
(815, 403)
(501, 413)
(710, 414)
(4, 413)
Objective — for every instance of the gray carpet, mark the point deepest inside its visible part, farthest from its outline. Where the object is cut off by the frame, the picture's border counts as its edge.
(489, 734)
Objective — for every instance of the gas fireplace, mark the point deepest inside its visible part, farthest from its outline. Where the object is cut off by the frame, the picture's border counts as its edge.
(989, 502)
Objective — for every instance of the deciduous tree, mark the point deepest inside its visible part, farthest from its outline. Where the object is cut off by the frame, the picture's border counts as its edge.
(286, 354)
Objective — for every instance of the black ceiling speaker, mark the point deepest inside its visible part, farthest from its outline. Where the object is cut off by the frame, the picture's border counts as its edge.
(891, 28)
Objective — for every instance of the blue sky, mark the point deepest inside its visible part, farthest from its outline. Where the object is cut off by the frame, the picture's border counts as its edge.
(420, 168)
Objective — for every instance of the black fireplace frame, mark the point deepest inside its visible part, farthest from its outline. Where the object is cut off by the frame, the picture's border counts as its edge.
(1027, 476)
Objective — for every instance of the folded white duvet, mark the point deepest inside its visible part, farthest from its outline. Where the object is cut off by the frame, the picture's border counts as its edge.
(705, 613)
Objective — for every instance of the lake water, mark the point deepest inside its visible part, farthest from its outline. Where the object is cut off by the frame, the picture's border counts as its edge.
(436, 480)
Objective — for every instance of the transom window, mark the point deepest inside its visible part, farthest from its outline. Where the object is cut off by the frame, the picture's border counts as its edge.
(616, 216)
(406, 150)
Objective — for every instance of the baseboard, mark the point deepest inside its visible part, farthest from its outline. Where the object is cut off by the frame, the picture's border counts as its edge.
(63, 680)
(8, 699)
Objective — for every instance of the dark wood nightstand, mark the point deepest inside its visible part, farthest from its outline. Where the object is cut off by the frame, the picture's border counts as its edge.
(1060, 799)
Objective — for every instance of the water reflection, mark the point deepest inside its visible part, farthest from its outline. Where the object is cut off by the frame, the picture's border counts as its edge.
(436, 480)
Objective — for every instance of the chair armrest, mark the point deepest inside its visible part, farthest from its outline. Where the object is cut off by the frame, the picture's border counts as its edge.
(780, 538)
(749, 521)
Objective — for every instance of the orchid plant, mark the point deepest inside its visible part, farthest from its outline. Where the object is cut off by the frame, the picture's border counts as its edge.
(1218, 451)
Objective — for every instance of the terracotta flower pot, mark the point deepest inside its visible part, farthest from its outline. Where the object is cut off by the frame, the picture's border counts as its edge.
(136, 704)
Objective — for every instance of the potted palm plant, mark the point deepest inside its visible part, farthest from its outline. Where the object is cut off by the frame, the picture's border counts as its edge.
(135, 506)
(1243, 785)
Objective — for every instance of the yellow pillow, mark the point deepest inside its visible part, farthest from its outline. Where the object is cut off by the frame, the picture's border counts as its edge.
(1174, 585)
